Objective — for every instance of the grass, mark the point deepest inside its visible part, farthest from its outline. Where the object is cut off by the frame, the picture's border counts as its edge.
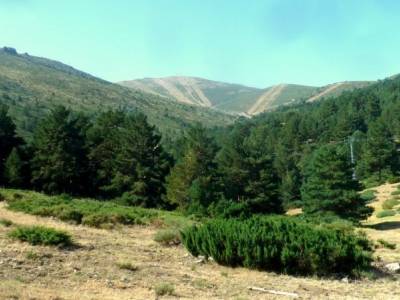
(390, 203)
(168, 237)
(127, 266)
(39, 235)
(100, 214)
(385, 213)
(163, 289)
(6, 223)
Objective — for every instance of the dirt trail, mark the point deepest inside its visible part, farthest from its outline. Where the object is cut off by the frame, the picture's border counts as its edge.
(265, 99)
(325, 92)
(90, 271)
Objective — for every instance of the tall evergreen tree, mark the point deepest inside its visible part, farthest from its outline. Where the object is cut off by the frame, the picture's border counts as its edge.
(248, 174)
(8, 138)
(59, 153)
(379, 158)
(103, 144)
(141, 164)
(329, 186)
(13, 170)
(191, 184)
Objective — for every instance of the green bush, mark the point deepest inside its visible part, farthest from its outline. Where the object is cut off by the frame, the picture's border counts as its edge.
(368, 195)
(5, 222)
(2, 198)
(280, 244)
(385, 213)
(168, 237)
(39, 235)
(390, 203)
(164, 289)
(395, 193)
(88, 212)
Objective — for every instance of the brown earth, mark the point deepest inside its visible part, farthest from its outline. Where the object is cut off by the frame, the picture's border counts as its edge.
(90, 271)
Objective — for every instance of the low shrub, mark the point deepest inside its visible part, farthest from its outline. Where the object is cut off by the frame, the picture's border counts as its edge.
(127, 266)
(385, 213)
(390, 203)
(164, 289)
(395, 193)
(386, 244)
(280, 244)
(168, 237)
(88, 212)
(39, 235)
(2, 197)
(6, 222)
(368, 195)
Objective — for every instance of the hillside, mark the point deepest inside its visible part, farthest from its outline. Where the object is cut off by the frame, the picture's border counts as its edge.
(32, 85)
(92, 269)
(234, 97)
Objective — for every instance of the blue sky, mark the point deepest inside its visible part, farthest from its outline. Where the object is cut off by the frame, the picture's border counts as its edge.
(257, 43)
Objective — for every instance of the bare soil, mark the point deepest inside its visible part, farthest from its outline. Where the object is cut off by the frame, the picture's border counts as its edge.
(91, 271)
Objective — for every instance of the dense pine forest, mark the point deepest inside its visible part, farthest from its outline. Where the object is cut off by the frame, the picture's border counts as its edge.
(314, 156)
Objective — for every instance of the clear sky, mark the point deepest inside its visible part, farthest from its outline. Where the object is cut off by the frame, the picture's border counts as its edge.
(253, 42)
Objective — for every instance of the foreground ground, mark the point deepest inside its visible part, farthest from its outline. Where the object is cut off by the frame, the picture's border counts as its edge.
(91, 270)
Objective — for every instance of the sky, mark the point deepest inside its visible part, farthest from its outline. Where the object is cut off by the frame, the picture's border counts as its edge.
(253, 42)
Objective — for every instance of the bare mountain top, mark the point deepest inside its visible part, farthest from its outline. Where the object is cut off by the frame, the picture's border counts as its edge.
(235, 97)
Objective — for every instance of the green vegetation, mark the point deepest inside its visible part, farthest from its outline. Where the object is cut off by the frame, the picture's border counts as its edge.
(163, 289)
(168, 237)
(48, 83)
(6, 222)
(386, 244)
(39, 235)
(329, 188)
(386, 213)
(87, 212)
(368, 196)
(390, 203)
(127, 266)
(280, 244)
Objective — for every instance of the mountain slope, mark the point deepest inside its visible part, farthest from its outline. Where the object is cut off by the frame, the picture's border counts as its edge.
(32, 85)
(234, 97)
(198, 91)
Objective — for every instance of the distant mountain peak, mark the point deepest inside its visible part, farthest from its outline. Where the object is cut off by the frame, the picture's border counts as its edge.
(235, 97)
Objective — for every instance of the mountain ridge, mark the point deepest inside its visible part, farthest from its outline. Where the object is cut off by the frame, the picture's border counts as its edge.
(30, 86)
(233, 97)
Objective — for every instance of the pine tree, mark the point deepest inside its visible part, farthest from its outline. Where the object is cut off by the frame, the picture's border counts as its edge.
(103, 144)
(140, 164)
(379, 157)
(8, 138)
(59, 154)
(13, 170)
(191, 184)
(329, 187)
(248, 174)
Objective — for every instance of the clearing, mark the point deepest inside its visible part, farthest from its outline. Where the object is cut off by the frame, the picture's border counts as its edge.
(93, 270)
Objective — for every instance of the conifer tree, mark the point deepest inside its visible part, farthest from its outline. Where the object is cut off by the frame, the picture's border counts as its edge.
(329, 187)
(379, 157)
(13, 170)
(8, 138)
(141, 164)
(191, 184)
(59, 154)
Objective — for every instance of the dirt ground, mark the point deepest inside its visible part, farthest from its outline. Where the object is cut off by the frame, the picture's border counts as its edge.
(90, 271)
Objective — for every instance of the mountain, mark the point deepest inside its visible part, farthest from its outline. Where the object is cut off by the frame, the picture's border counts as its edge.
(31, 85)
(234, 97)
